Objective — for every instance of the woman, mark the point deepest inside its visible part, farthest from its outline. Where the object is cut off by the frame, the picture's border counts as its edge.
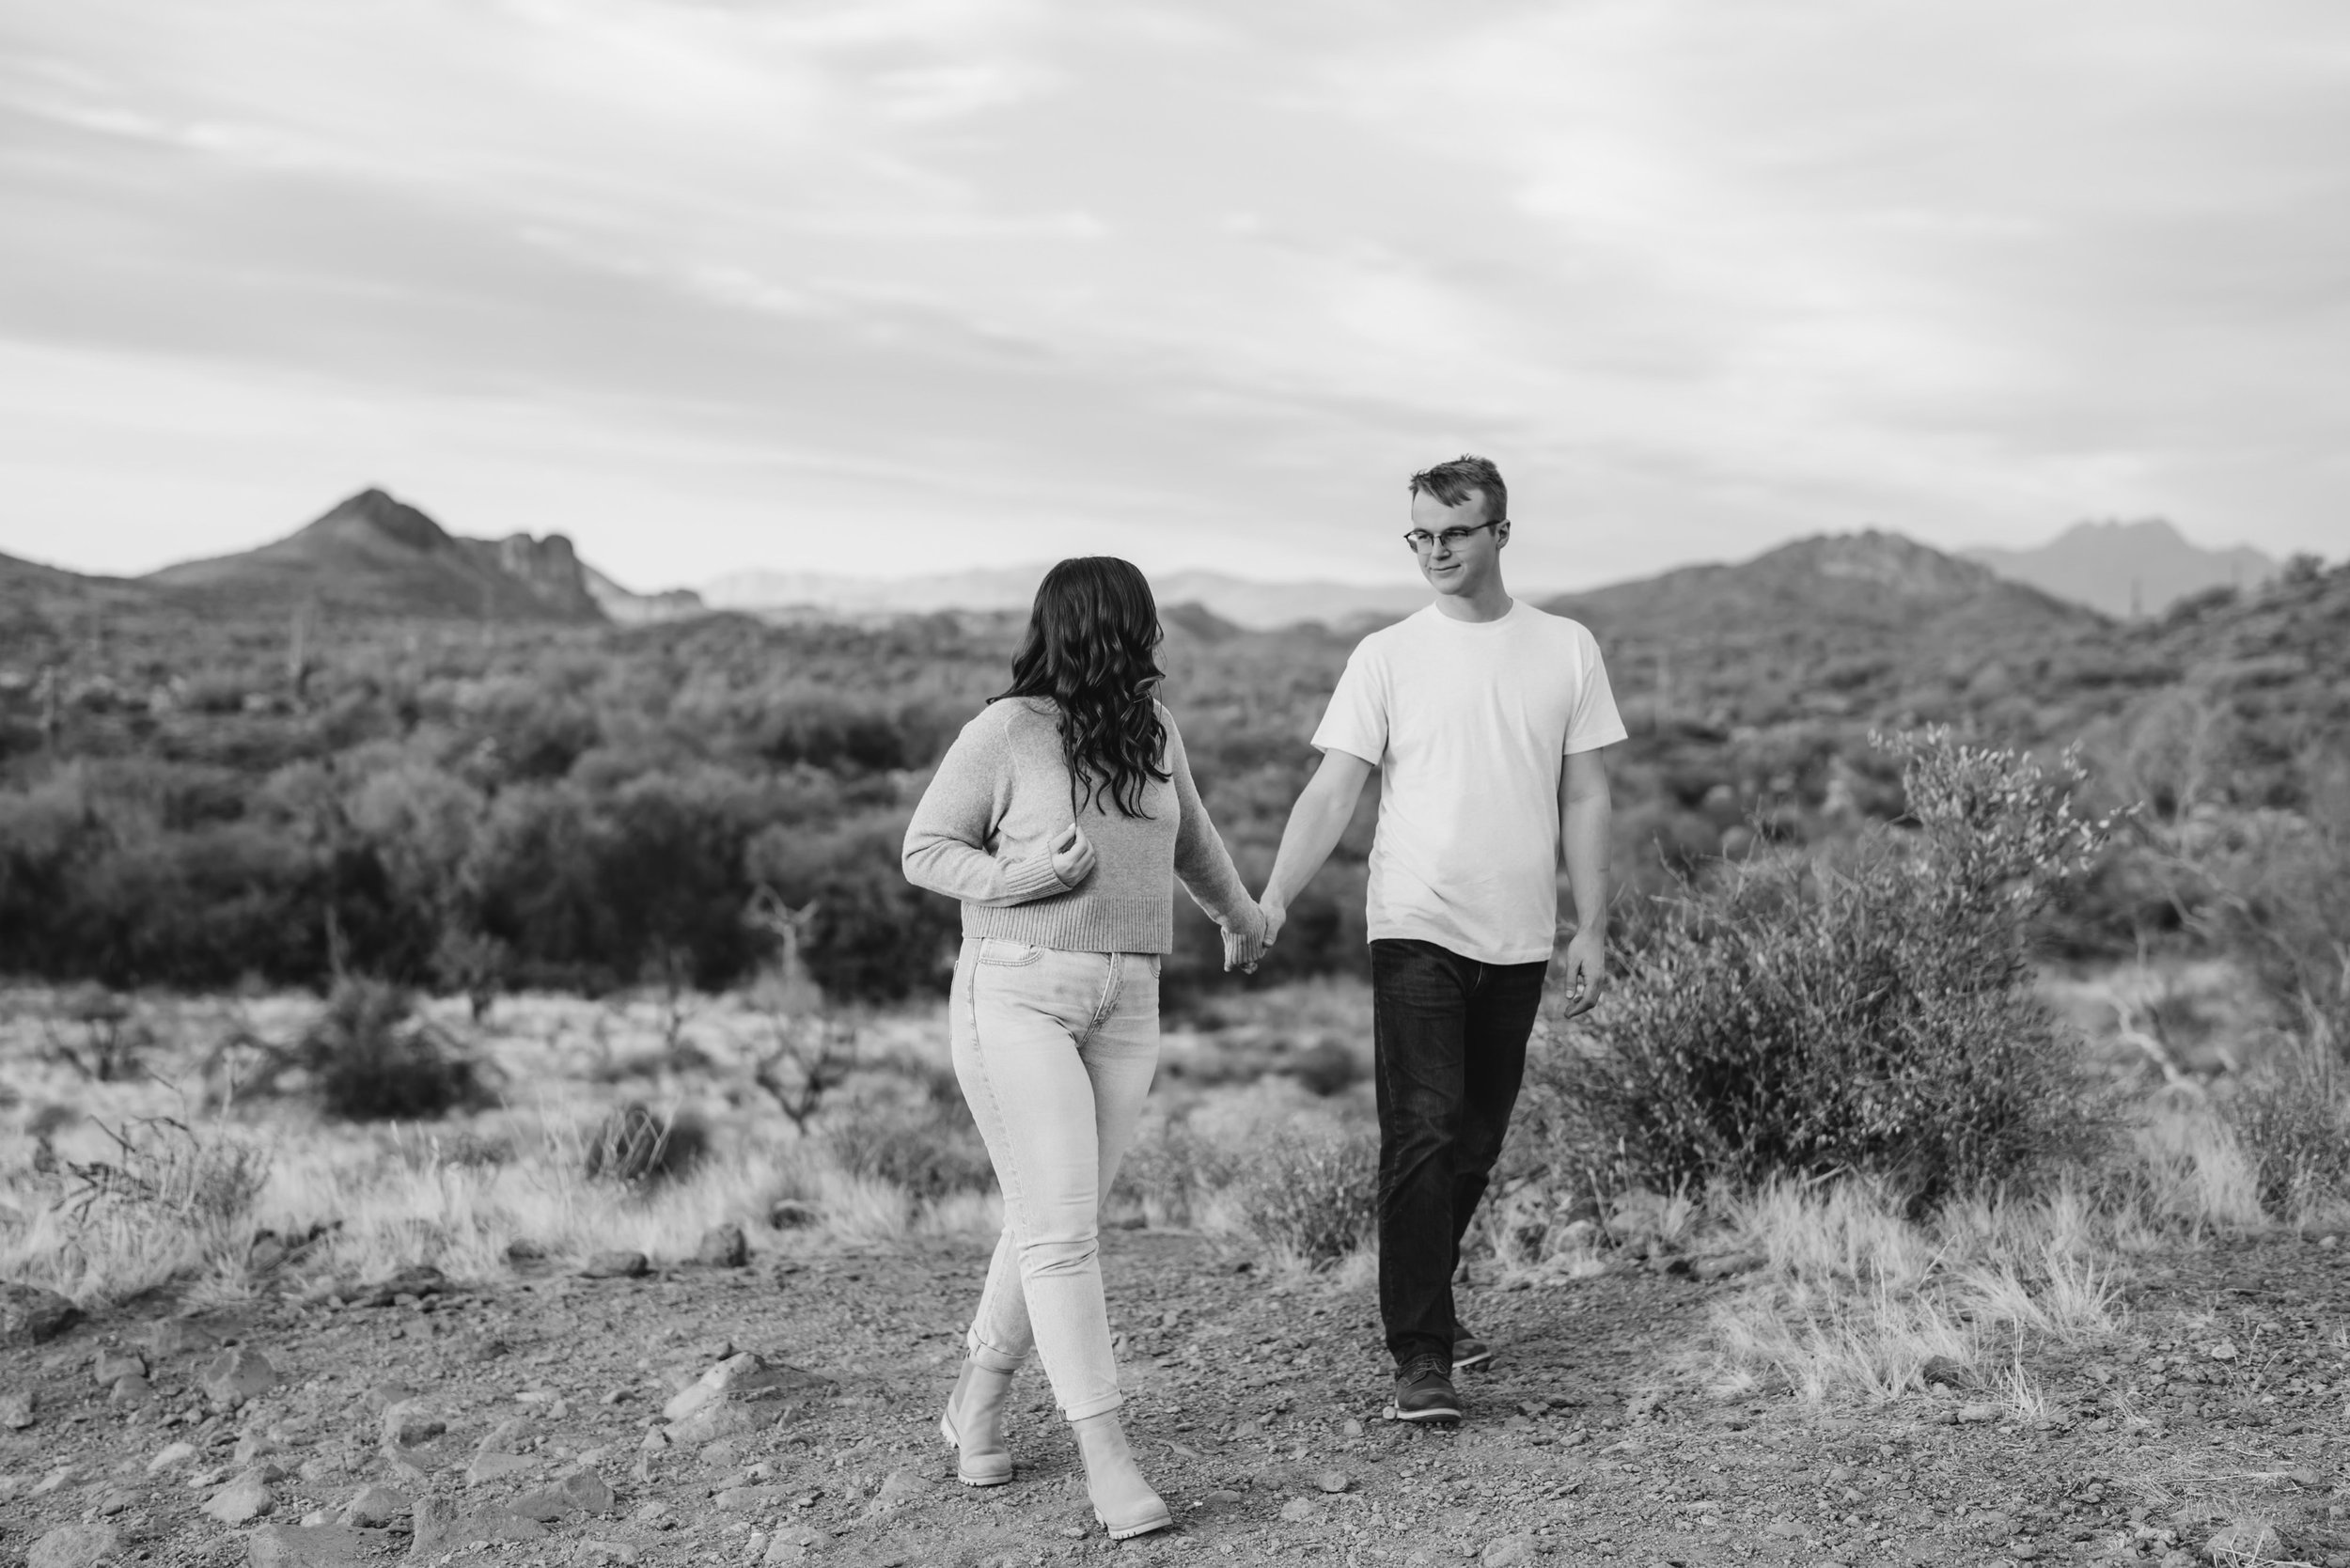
(1061, 817)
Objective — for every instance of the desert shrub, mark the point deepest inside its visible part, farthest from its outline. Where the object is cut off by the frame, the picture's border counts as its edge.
(636, 1145)
(371, 1059)
(111, 1035)
(1314, 1198)
(1324, 1068)
(164, 1168)
(924, 1141)
(2291, 1119)
(1172, 1171)
(1797, 1016)
(2275, 890)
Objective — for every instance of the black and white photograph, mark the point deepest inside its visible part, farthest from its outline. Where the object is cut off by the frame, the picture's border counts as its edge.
(1011, 783)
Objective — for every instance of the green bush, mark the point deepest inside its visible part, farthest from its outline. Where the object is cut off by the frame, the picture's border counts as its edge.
(636, 1145)
(2291, 1119)
(372, 1060)
(922, 1140)
(1315, 1197)
(1802, 1016)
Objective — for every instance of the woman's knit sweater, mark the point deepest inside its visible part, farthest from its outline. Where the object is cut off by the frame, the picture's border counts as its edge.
(984, 830)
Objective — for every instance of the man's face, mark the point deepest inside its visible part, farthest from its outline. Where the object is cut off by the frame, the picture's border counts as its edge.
(1461, 564)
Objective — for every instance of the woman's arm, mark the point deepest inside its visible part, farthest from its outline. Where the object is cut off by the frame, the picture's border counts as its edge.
(946, 849)
(1201, 861)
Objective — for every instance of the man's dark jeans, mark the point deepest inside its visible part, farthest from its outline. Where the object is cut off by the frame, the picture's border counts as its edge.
(1451, 1040)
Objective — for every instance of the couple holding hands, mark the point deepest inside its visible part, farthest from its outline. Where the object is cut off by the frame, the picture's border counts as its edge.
(1063, 816)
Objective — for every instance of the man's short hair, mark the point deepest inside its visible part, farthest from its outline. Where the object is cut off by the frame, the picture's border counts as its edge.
(1452, 482)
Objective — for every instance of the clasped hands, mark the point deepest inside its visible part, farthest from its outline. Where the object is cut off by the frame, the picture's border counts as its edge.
(1243, 951)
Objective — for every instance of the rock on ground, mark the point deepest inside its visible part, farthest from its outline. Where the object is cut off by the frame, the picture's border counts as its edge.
(30, 1315)
(723, 1247)
(376, 1504)
(616, 1265)
(16, 1409)
(1510, 1551)
(234, 1376)
(73, 1546)
(440, 1527)
(242, 1500)
(316, 1547)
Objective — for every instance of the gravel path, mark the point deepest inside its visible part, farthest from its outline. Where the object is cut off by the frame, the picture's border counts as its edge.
(523, 1420)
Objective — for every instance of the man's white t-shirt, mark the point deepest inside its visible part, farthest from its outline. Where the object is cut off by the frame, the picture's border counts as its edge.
(1469, 724)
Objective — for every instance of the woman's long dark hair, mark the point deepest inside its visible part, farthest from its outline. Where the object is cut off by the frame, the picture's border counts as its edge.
(1092, 648)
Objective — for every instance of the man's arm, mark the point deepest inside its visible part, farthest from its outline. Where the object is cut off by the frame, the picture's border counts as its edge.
(1584, 809)
(1324, 808)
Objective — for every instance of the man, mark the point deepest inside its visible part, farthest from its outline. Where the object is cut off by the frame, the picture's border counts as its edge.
(1486, 718)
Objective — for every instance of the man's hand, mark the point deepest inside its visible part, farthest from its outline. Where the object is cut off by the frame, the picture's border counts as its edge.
(1073, 856)
(1242, 953)
(1587, 972)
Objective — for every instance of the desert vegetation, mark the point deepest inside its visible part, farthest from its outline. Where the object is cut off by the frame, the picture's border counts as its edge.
(502, 955)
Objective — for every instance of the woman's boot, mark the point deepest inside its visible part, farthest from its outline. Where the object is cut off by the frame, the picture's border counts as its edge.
(1122, 1500)
(973, 1423)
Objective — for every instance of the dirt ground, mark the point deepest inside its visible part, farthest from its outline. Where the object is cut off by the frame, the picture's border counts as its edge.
(521, 1419)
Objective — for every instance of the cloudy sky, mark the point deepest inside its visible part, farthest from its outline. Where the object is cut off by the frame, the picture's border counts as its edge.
(898, 286)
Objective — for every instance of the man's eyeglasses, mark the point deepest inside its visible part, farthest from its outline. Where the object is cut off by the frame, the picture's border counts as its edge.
(1422, 541)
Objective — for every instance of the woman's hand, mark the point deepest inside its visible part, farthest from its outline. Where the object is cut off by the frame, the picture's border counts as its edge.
(1243, 949)
(1073, 856)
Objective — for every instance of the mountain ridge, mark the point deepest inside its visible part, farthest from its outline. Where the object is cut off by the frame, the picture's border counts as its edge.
(2127, 568)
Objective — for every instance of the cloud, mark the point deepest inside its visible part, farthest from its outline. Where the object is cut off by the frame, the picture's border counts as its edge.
(1195, 283)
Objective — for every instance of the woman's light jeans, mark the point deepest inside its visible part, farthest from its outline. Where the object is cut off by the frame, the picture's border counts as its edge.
(1055, 1052)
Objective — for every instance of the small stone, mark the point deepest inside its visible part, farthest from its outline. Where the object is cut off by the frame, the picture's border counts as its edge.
(110, 1367)
(376, 1504)
(417, 1279)
(1298, 1510)
(73, 1546)
(1724, 1266)
(168, 1338)
(383, 1396)
(53, 1481)
(234, 1376)
(1510, 1551)
(242, 1501)
(1975, 1415)
(250, 1447)
(2243, 1543)
(173, 1453)
(2223, 1351)
(487, 1467)
(405, 1425)
(793, 1215)
(2022, 1551)
(585, 1489)
(616, 1265)
(1943, 1370)
(2307, 1475)
(502, 1438)
(593, 1551)
(543, 1503)
(1351, 1428)
(30, 1315)
(319, 1546)
(723, 1247)
(1223, 1497)
(134, 1391)
(16, 1409)
(795, 1543)
(440, 1527)
(1332, 1481)
(1784, 1528)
